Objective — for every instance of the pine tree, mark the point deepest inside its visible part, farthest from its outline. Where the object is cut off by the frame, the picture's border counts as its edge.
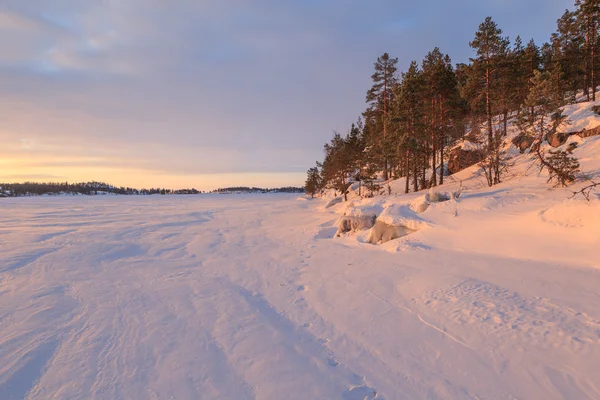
(562, 167)
(409, 111)
(491, 48)
(504, 89)
(443, 106)
(543, 103)
(355, 149)
(567, 53)
(379, 98)
(313, 181)
(588, 15)
(526, 60)
(546, 117)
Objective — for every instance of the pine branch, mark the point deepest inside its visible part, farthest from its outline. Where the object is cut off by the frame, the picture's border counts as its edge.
(586, 191)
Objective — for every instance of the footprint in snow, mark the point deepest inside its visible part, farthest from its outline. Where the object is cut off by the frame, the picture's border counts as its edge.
(302, 288)
(360, 393)
(333, 362)
(307, 325)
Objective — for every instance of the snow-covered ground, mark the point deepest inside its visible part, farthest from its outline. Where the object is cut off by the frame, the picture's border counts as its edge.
(496, 296)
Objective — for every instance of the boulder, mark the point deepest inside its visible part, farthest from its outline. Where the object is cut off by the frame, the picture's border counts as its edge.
(523, 142)
(350, 223)
(460, 159)
(556, 139)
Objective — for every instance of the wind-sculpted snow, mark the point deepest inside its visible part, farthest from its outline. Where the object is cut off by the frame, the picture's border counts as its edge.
(251, 297)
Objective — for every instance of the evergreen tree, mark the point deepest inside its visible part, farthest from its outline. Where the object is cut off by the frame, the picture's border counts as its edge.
(567, 53)
(547, 117)
(409, 111)
(379, 98)
(355, 149)
(444, 105)
(313, 181)
(491, 50)
(588, 16)
(339, 165)
(543, 103)
(526, 60)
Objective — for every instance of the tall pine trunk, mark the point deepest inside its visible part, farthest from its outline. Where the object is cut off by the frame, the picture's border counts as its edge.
(441, 139)
(407, 170)
(442, 161)
(586, 84)
(384, 121)
(488, 104)
(433, 181)
(385, 169)
(415, 174)
(424, 173)
(592, 66)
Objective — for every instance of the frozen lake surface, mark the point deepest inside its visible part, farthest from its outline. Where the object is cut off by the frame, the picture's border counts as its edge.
(248, 297)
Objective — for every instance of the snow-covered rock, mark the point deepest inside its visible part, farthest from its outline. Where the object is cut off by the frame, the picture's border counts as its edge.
(383, 232)
(334, 202)
(351, 223)
(461, 158)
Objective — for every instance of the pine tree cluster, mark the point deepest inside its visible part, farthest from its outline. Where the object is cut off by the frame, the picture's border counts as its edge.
(412, 118)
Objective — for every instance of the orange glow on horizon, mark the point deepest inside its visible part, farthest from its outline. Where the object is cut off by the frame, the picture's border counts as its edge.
(15, 170)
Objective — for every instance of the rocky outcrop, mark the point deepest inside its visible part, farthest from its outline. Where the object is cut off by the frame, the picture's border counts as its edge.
(557, 139)
(460, 159)
(589, 132)
(523, 142)
(350, 223)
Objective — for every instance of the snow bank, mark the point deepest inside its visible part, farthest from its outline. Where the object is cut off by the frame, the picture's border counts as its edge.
(581, 116)
(574, 213)
(422, 203)
(334, 202)
(361, 209)
(402, 215)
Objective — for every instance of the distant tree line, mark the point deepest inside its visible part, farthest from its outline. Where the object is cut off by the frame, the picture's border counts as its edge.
(412, 118)
(245, 189)
(83, 188)
(100, 188)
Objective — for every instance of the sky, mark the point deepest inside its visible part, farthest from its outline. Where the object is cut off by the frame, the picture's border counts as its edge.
(210, 93)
